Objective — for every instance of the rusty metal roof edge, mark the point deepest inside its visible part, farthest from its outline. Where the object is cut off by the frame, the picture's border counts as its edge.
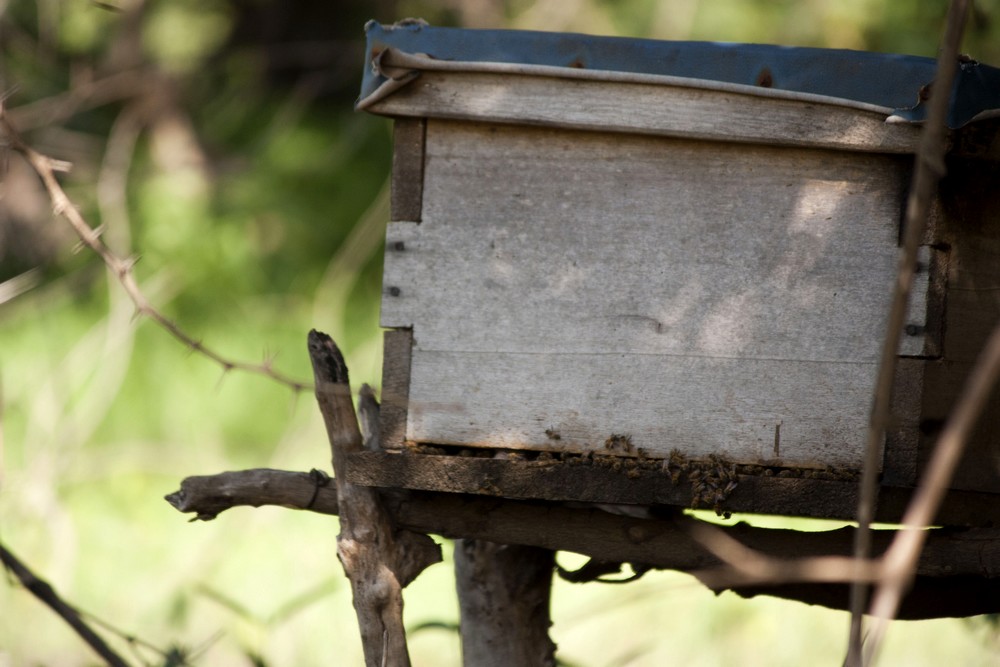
(399, 68)
(894, 82)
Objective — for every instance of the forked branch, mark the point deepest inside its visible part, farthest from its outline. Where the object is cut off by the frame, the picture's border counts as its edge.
(379, 559)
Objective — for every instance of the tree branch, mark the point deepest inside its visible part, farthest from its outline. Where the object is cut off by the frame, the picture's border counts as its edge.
(43, 591)
(210, 495)
(958, 570)
(378, 559)
(901, 559)
(928, 172)
(46, 169)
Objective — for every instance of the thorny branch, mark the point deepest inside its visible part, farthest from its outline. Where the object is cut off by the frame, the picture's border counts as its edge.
(927, 173)
(46, 169)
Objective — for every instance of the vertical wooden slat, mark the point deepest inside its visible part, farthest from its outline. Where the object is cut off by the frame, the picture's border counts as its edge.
(936, 289)
(902, 440)
(408, 169)
(395, 387)
(406, 204)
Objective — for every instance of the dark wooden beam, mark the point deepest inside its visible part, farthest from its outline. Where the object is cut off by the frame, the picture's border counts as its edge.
(626, 481)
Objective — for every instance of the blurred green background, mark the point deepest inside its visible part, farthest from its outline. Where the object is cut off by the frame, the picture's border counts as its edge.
(217, 142)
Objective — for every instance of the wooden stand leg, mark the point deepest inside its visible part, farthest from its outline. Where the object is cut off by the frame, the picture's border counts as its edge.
(378, 559)
(503, 596)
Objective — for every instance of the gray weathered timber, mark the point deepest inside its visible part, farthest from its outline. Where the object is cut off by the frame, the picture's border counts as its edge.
(407, 184)
(396, 361)
(675, 110)
(715, 298)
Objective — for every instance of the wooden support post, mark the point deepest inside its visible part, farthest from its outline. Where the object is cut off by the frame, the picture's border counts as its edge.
(503, 597)
(378, 559)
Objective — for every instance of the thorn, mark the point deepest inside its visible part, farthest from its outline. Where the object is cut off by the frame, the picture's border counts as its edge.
(59, 165)
(125, 266)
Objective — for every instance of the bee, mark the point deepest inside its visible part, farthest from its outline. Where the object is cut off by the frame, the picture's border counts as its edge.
(552, 434)
(619, 442)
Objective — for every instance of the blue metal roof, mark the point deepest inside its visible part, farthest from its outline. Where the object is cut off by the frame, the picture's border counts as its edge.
(886, 80)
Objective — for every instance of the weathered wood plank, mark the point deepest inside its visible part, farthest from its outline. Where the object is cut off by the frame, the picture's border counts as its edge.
(407, 169)
(746, 410)
(710, 297)
(646, 108)
(559, 481)
(979, 469)
(966, 224)
(396, 357)
(759, 251)
(624, 484)
(902, 441)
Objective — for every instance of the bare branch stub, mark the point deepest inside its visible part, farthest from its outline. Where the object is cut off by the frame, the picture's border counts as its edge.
(210, 495)
(379, 559)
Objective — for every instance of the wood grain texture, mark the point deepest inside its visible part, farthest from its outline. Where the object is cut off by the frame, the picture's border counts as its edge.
(645, 108)
(709, 297)
(407, 169)
(396, 358)
(902, 440)
(558, 481)
(555, 481)
(503, 599)
(967, 224)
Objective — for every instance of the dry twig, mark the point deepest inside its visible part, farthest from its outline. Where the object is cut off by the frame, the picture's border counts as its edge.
(901, 558)
(748, 567)
(46, 168)
(928, 172)
(42, 590)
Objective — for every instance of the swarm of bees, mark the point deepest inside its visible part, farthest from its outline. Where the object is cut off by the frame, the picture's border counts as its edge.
(711, 481)
(619, 442)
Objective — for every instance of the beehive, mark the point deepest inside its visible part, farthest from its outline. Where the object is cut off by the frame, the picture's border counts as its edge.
(641, 249)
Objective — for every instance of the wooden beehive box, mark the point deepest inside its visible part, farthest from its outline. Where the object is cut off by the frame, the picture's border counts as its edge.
(609, 258)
